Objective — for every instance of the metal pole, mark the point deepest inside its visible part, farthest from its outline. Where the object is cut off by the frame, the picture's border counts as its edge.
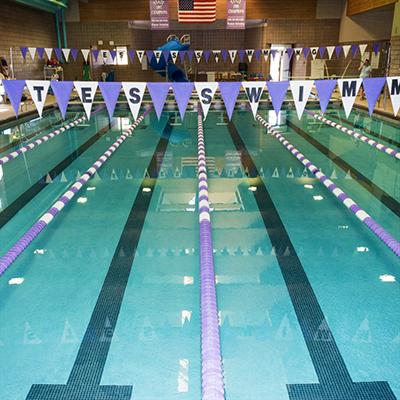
(64, 28)
(58, 31)
(11, 63)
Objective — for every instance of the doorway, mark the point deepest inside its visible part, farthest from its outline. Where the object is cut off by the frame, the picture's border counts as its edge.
(279, 69)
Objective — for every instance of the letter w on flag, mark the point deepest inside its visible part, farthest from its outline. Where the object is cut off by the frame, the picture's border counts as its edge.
(197, 11)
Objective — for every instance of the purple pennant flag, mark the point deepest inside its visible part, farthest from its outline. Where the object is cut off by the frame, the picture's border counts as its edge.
(224, 55)
(131, 55)
(58, 53)
(24, 50)
(110, 92)
(95, 53)
(375, 47)
(113, 54)
(62, 90)
(277, 91)
(306, 52)
(289, 52)
(354, 49)
(74, 53)
(338, 50)
(182, 54)
(229, 92)
(206, 55)
(241, 54)
(322, 51)
(373, 88)
(166, 55)
(40, 51)
(149, 54)
(273, 52)
(325, 89)
(190, 54)
(158, 92)
(14, 91)
(183, 91)
(257, 54)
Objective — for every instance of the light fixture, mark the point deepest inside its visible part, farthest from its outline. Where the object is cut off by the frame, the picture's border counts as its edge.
(91, 188)
(318, 197)
(362, 249)
(343, 227)
(146, 190)
(82, 200)
(39, 251)
(308, 186)
(16, 281)
(387, 278)
(253, 188)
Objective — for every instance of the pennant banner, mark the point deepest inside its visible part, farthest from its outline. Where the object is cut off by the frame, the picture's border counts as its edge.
(229, 92)
(62, 90)
(110, 92)
(86, 92)
(134, 92)
(206, 92)
(325, 88)
(349, 89)
(183, 92)
(394, 91)
(158, 92)
(38, 91)
(301, 92)
(254, 91)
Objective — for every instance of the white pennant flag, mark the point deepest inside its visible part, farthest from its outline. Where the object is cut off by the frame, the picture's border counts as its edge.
(265, 53)
(301, 92)
(232, 55)
(104, 55)
(254, 90)
(48, 51)
(134, 92)
(85, 54)
(363, 47)
(86, 92)
(157, 55)
(38, 91)
(349, 89)
(297, 52)
(330, 50)
(393, 84)
(250, 53)
(140, 55)
(198, 54)
(206, 92)
(314, 52)
(217, 55)
(32, 52)
(346, 49)
(174, 55)
(66, 53)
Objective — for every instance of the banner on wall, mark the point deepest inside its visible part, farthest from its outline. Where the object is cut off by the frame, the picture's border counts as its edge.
(236, 14)
(229, 91)
(159, 14)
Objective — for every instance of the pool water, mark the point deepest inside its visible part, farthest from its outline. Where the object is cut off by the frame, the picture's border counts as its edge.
(108, 295)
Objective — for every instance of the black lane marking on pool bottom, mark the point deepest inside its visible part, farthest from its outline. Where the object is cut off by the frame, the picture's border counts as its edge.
(385, 198)
(335, 382)
(84, 380)
(367, 130)
(23, 199)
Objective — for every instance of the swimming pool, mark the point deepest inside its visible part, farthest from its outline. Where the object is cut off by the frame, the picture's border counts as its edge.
(307, 296)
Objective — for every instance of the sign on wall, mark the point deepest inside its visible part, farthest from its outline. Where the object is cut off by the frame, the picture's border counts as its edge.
(159, 14)
(236, 14)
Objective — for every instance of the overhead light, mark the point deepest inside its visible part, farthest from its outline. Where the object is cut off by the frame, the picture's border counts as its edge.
(362, 249)
(90, 188)
(82, 200)
(318, 197)
(253, 188)
(343, 227)
(16, 281)
(146, 190)
(39, 251)
(308, 186)
(387, 278)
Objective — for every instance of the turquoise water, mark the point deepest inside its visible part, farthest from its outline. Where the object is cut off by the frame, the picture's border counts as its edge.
(155, 346)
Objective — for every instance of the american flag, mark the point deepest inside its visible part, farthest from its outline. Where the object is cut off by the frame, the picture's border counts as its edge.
(197, 11)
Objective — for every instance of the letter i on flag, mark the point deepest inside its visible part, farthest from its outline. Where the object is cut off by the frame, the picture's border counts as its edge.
(301, 91)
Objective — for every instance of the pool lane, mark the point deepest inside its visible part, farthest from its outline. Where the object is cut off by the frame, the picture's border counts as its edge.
(345, 264)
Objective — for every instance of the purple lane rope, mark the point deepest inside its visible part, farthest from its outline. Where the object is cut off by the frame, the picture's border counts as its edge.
(357, 135)
(362, 215)
(37, 142)
(211, 362)
(16, 250)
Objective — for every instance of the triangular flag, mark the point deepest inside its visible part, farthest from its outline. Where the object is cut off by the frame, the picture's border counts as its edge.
(134, 92)
(40, 51)
(217, 54)
(277, 91)
(166, 55)
(289, 52)
(157, 55)
(104, 55)
(14, 90)
(110, 92)
(224, 55)
(182, 91)
(182, 54)
(66, 53)
(74, 54)
(149, 54)
(241, 54)
(85, 54)
(375, 47)
(257, 53)
(314, 52)
(58, 53)
(198, 54)
(372, 88)
(62, 90)
(338, 50)
(297, 52)
(158, 92)
(322, 51)
(354, 49)
(174, 55)
(301, 92)
(229, 92)
(24, 50)
(32, 52)
(393, 84)
(254, 90)
(113, 54)
(346, 49)
(95, 54)
(206, 92)
(265, 53)
(249, 53)
(131, 55)
(38, 91)
(206, 54)
(232, 55)
(325, 89)
(363, 47)
(140, 55)
(48, 51)
(349, 89)
(190, 54)
(306, 52)
(86, 92)
(330, 50)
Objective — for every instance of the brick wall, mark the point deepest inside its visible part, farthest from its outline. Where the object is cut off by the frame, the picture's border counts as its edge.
(24, 26)
(395, 56)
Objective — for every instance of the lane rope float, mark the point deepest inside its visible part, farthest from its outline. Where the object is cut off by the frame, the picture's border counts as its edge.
(211, 360)
(362, 215)
(16, 250)
(373, 143)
